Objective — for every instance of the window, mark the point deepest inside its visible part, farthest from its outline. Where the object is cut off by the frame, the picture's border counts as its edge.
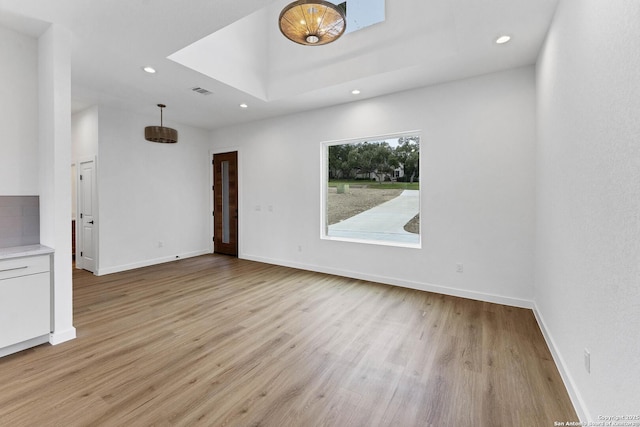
(371, 190)
(363, 13)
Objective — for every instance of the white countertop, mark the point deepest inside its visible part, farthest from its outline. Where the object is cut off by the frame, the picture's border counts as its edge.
(22, 251)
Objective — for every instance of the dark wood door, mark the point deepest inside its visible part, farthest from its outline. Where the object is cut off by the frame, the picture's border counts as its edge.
(225, 205)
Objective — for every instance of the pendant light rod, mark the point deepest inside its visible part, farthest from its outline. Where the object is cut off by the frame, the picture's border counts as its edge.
(162, 106)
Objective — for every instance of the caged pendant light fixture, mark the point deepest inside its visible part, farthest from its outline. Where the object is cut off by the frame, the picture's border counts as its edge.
(312, 22)
(161, 133)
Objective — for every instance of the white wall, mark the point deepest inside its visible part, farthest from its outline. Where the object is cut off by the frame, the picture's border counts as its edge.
(477, 180)
(150, 192)
(588, 201)
(18, 113)
(54, 154)
(84, 134)
(35, 98)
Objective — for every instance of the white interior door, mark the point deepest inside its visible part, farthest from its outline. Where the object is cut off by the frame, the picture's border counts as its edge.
(87, 213)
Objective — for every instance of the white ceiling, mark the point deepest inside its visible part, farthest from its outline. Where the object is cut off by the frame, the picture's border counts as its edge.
(421, 42)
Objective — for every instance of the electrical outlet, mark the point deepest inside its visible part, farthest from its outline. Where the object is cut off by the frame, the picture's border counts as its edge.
(459, 267)
(299, 248)
(160, 244)
(587, 361)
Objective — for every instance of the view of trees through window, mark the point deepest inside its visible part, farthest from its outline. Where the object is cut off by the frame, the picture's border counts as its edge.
(373, 190)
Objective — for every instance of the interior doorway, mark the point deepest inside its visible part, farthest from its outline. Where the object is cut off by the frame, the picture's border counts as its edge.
(74, 205)
(87, 216)
(225, 203)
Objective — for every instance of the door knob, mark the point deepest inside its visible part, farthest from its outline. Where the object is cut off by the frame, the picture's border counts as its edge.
(89, 222)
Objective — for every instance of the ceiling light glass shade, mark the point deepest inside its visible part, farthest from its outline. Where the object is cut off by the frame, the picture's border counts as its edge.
(312, 22)
(161, 133)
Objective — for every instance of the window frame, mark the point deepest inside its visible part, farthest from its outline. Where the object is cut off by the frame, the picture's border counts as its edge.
(324, 186)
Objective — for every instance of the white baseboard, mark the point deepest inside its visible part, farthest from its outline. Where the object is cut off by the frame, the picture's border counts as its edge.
(58, 337)
(428, 287)
(5, 351)
(574, 394)
(147, 263)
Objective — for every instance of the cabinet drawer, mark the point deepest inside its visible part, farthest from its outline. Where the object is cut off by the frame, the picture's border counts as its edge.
(24, 266)
(25, 308)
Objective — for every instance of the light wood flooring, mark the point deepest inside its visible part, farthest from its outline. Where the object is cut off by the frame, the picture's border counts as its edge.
(218, 341)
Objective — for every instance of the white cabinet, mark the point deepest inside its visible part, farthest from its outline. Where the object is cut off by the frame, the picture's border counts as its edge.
(25, 301)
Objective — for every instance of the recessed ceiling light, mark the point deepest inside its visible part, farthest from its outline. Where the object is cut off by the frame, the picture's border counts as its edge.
(244, 106)
(503, 39)
(149, 70)
(355, 92)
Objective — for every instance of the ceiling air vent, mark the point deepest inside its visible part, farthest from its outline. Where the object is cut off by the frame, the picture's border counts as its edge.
(201, 91)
